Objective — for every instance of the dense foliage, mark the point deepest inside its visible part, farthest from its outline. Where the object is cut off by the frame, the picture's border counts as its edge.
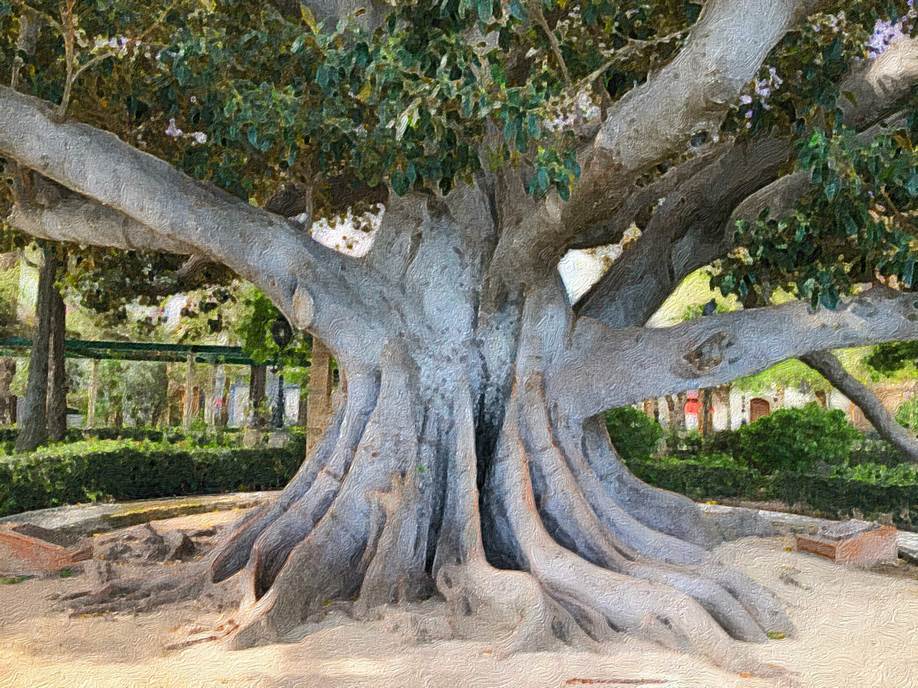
(866, 491)
(425, 93)
(907, 414)
(102, 470)
(797, 438)
(633, 434)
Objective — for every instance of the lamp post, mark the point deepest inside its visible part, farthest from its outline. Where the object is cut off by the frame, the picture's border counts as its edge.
(282, 333)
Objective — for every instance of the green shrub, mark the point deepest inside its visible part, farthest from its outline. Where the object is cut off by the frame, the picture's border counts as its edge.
(199, 438)
(872, 491)
(633, 434)
(104, 470)
(907, 414)
(685, 444)
(707, 476)
(724, 442)
(797, 439)
(872, 449)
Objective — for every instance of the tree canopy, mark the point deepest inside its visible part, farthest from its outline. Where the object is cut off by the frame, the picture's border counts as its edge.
(258, 96)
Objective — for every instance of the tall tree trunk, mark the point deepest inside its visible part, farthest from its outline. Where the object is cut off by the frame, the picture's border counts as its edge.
(318, 395)
(93, 393)
(705, 411)
(671, 412)
(302, 410)
(33, 426)
(827, 365)
(57, 374)
(188, 404)
(679, 424)
(7, 398)
(257, 380)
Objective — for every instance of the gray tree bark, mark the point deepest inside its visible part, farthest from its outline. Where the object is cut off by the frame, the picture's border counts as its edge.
(827, 365)
(33, 424)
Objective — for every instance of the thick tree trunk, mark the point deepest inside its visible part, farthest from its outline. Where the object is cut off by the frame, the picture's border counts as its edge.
(33, 427)
(827, 365)
(386, 510)
(57, 374)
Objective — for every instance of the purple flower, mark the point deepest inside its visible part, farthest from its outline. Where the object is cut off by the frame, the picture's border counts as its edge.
(173, 130)
(885, 33)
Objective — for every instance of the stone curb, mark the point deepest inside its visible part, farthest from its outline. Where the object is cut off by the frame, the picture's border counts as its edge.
(734, 522)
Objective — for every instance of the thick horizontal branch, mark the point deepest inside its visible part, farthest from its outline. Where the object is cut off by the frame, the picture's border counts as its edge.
(603, 368)
(57, 214)
(129, 199)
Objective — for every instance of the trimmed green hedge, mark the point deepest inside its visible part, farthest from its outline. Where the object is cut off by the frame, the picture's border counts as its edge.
(119, 470)
(104, 470)
(836, 497)
(8, 435)
(708, 477)
(871, 489)
(634, 435)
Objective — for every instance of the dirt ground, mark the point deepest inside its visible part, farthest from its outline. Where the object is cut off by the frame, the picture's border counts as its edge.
(856, 630)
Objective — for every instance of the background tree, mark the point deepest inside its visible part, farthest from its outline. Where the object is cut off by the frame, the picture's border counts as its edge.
(468, 456)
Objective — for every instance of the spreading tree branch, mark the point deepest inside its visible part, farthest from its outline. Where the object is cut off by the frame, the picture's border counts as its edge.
(125, 198)
(826, 364)
(696, 223)
(596, 371)
(654, 123)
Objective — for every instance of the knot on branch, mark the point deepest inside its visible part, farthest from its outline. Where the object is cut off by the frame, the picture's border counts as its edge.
(709, 354)
(303, 307)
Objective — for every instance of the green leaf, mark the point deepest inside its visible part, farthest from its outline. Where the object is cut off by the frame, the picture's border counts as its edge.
(485, 10)
(323, 76)
(912, 185)
(908, 273)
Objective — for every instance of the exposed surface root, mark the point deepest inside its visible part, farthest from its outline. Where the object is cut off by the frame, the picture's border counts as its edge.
(650, 600)
(331, 561)
(331, 458)
(664, 511)
(143, 594)
(386, 513)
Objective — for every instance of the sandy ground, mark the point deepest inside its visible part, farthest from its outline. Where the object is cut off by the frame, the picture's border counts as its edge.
(856, 630)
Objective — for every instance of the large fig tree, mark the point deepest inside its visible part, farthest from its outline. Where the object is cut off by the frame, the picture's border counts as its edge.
(465, 458)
